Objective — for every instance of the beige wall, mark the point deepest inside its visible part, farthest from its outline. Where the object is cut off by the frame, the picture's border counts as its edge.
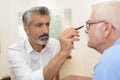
(83, 58)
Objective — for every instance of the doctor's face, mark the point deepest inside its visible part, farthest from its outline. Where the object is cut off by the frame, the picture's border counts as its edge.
(38, 31)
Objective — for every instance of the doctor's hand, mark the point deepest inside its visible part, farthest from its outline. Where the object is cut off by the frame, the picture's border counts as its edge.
(67, 38)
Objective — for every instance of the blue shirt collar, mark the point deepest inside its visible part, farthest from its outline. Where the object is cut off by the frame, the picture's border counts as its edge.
(117, 41)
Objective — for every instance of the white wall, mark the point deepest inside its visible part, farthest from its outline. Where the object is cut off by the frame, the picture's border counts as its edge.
(83, 58)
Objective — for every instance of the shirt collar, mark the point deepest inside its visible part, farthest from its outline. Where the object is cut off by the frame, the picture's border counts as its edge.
(28, 46)
(117, 42)
(30, 49)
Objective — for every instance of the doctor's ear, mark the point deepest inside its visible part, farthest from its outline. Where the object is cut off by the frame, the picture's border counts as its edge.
(26, 29)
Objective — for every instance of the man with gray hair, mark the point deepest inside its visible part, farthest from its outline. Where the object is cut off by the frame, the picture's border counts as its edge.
(103, 29)
(39, 57)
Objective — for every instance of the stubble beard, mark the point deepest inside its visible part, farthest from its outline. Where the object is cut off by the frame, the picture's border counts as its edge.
(41, 41)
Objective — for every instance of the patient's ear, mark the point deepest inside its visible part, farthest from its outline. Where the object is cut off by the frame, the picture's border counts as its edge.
(107, 29)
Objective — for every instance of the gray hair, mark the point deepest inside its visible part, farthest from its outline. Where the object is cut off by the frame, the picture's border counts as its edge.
(41, 10)
(109, 11)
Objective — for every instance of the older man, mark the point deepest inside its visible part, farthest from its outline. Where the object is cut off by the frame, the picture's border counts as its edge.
(103, 29)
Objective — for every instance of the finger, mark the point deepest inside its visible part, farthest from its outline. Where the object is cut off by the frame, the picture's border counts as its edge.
(71, 40)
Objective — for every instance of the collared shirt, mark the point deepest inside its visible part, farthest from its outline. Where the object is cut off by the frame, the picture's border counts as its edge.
(108, 68)
(26, 63)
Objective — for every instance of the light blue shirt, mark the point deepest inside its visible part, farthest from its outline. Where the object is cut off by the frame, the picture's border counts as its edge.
(108, 68)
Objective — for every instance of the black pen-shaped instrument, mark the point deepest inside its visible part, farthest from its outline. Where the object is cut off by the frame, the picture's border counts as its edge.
(79, 27)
